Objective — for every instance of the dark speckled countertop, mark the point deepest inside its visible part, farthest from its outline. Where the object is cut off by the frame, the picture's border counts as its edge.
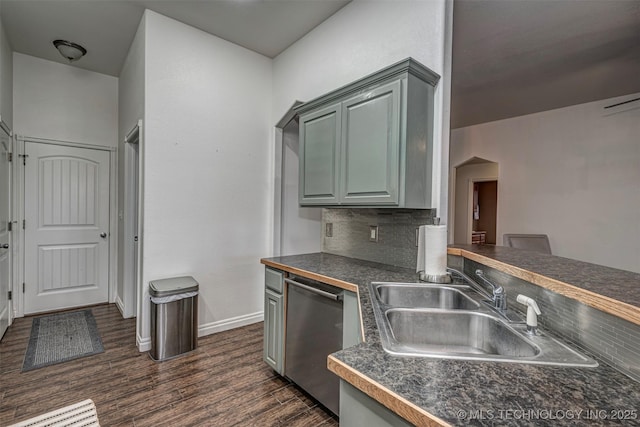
(452, 390)
(611, 282)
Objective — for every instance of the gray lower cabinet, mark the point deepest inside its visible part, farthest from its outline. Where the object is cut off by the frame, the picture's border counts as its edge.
(370, 143)
(359, 410)
(274, 333)
(273, 351)
(351, 327)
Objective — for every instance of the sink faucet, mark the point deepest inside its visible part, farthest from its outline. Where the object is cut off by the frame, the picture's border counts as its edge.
(498, 294)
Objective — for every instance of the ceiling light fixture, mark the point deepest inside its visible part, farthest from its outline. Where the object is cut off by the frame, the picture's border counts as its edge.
(69, 50)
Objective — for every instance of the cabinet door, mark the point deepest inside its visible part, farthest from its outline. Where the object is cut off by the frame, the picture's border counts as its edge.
(370, 161)
(319, 151)
(273, 352)
(359, 410)
(351, 332)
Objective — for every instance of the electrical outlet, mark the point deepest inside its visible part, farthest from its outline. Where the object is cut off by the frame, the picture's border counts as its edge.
(328, 229)
(373, 233)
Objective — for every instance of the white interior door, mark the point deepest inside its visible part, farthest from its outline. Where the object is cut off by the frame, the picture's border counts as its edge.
(5, 218)
(67, 227)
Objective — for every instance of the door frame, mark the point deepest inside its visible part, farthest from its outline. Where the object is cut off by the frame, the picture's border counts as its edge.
(132, 208)
(19, 213)
(12, 240)
(472, 181)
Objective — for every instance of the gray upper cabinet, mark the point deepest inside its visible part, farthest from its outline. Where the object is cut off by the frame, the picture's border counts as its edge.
(370, 147)
(319, 156)
(370, 142)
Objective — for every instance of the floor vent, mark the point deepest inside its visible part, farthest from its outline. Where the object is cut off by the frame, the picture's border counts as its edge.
(82, 414)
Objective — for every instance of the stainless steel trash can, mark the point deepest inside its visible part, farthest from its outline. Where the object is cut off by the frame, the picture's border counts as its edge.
(174, 317)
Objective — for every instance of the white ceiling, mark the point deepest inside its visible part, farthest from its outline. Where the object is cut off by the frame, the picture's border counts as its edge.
(510, 57)
(106, 27)
(513, 57)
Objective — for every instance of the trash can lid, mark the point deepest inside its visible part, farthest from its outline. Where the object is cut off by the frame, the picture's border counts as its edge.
(172, 286)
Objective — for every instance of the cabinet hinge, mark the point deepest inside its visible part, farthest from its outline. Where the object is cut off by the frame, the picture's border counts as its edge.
(10, 296)
(10, 157)
(23, 287)
(10, 225)
(24, 224)
(24, 158)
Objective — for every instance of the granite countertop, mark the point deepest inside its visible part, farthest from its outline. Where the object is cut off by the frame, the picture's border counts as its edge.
(440, 392)
(621, 285)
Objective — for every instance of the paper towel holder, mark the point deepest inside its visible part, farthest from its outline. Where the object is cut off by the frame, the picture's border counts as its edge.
(435, 278)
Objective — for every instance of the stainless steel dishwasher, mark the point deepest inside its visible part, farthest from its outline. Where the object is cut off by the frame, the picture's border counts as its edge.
(313, 331)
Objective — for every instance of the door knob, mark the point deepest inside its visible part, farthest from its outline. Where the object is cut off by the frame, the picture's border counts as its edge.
(103, 235)
(4, 246)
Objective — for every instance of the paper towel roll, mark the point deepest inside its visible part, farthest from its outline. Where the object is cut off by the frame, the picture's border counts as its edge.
(432, 249)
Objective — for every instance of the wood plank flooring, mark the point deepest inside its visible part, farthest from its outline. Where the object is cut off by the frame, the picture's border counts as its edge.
(223, 383)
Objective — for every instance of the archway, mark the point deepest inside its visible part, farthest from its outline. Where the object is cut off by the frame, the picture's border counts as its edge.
(475, 202)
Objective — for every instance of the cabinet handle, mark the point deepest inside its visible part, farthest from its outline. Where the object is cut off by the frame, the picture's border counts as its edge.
(320, 292)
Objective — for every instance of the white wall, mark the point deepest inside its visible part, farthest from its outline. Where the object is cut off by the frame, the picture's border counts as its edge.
(572, 173)
(364, 37)
(300, 226)
(6, 79)
(207, 173)
(130, 110)
(61, 102)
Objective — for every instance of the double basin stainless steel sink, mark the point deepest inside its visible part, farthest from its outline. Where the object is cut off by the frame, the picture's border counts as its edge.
(456, 322)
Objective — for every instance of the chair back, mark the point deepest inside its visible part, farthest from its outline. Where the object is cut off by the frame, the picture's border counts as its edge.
(530, 242)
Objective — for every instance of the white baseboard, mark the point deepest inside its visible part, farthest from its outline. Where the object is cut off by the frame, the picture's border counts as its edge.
(144, 344)
(232, 323)
(120, 305)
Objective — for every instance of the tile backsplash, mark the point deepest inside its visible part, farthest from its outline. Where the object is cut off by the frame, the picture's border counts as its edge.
(396, 243)
(615, 340)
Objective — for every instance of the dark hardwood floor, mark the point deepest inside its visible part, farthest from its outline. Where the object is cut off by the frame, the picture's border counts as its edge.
(222, 383)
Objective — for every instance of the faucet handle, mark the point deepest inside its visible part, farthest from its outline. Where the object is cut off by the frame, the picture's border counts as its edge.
(533, 311)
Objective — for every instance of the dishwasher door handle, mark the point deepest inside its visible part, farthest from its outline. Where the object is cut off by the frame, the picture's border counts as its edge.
(334, 297)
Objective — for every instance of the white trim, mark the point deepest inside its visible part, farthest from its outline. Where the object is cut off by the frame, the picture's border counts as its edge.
(277, 192)
(232, 323)
(134, 134)
(120, 305)
(113, 226)
(65, 143)
(142, 297)
(130, 284)
(144, 344)
(19, 214)
(11, 253)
